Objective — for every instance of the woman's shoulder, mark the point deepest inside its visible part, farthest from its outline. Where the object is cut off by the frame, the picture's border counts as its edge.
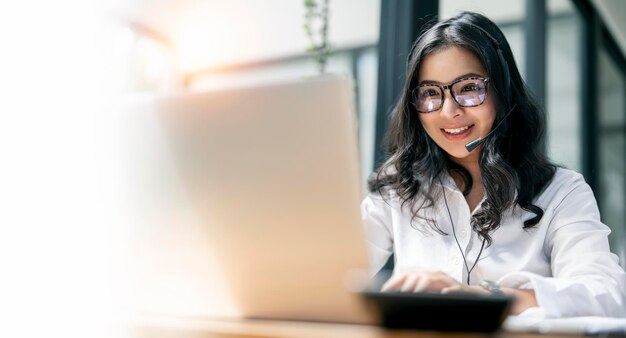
(563, 183)
(566, 177)
(385, 195)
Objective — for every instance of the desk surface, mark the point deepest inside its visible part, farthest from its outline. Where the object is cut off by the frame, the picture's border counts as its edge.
(166, 327)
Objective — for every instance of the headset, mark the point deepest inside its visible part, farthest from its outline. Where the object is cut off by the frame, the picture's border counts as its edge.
(474, 144)
(507, 86)
(503, 64)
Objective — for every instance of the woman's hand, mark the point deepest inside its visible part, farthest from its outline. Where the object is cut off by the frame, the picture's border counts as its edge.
(440, 282)
(437, 282)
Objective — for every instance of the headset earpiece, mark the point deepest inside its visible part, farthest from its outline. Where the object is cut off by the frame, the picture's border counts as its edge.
(505, 72)
(506, 77)
(503, 64)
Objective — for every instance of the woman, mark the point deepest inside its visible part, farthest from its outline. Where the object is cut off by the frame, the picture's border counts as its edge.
(468, 202)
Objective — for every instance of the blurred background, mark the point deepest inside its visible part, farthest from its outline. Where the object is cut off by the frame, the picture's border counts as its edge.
(68, 64)
(570, 52)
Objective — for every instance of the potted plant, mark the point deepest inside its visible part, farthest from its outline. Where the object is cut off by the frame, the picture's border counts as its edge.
(316, 28)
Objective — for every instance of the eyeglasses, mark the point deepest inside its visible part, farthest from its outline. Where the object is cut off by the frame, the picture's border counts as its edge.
(467, 92)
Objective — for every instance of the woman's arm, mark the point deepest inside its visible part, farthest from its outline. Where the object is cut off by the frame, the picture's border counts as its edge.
(441, 282)
(375, 213)
(586, 277)
(524, 299)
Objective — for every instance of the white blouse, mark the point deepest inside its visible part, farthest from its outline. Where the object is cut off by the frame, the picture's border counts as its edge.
(565, 258)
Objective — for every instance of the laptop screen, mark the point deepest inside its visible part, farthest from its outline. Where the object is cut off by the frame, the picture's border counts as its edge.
(263, 183)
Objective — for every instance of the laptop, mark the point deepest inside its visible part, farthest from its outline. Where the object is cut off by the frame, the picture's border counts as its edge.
(249, 200)
(254, 202)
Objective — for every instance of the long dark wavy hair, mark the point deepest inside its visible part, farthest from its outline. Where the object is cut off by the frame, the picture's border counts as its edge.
(513, 167)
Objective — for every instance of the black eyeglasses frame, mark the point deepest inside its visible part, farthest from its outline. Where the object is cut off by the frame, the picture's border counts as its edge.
(449, 86)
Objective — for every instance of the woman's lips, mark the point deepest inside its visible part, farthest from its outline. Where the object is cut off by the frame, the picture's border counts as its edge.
(454, 136)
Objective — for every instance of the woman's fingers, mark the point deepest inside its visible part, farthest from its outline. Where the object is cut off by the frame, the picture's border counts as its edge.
(419, 282)
(465, 288)
(394, 283)
(424, 284)
(404, 282)
(452, 289)
(434, 282)
(428, 282)
(410, 282)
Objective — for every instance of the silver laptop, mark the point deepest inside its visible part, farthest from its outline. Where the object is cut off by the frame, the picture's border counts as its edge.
(246, 203)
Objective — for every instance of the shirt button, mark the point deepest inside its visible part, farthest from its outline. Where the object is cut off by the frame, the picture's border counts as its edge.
(456, 261)
(463, 234)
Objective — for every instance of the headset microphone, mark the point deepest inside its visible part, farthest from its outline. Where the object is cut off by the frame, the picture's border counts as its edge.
(474, 144)
(507, 85)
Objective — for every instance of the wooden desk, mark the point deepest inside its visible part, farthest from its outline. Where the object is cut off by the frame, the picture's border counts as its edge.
(169, 327)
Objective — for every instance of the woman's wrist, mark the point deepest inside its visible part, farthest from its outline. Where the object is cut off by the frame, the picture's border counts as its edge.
(491, 286)
(524, 299)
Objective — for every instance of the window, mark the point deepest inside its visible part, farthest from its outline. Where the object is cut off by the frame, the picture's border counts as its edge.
(612, 149)
(563, 66)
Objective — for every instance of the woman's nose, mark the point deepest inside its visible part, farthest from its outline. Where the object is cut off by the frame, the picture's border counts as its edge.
(449, 107)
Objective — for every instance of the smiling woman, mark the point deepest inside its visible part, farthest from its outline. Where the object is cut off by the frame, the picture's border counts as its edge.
(466, 76)
(496, 217)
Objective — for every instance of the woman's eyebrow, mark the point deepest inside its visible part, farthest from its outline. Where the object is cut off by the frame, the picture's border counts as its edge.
(458, 77)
